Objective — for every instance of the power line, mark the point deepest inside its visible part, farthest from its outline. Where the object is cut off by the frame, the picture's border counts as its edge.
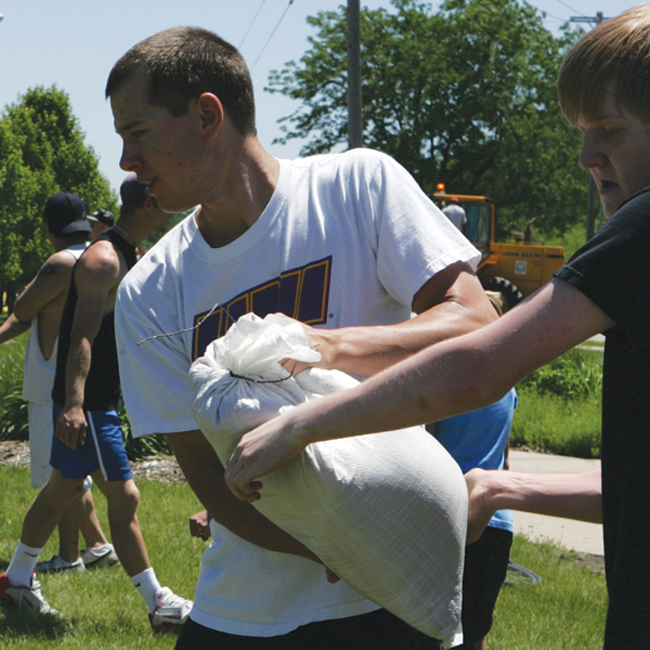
(546, 14)
(567, 6)
(259, 56)
(249, 27)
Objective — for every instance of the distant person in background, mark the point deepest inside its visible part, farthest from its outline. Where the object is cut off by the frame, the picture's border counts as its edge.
(455, 213)
(100, 221)
(39, 307)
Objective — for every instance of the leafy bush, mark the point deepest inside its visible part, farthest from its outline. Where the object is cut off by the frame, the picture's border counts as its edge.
(560, 406)
(138, 448)
(576, 375)
(564, 427)
(13, 408)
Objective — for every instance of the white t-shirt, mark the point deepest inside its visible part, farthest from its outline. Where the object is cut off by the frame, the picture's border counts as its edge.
(346, 239)
(39, 372)
(456, 214)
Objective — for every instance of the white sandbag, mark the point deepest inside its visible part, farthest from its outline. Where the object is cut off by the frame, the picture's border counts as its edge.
(386, 512)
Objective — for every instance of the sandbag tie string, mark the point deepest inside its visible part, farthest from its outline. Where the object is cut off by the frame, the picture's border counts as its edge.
(265, 381)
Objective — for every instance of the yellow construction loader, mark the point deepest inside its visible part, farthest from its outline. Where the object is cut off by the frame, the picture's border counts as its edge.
(512, 270)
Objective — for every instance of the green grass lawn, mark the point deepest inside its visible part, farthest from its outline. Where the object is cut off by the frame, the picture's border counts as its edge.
(564, 427)
(566, 611)
(101, 609)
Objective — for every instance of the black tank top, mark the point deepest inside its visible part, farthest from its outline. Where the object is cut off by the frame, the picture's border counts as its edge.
(102, 390)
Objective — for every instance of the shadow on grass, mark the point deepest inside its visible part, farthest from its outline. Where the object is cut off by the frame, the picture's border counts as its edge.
(15, 623)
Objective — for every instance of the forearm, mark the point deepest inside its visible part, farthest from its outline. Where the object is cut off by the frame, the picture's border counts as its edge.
(428, 387)
(368, 350)
(570, 496)
(77, 369)
(460, 374)
(205, 474)
(455, 376)
(449, 304)
(12, 328)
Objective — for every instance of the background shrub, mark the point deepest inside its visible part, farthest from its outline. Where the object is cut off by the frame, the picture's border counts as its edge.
(13, 408)
(576, 375)
(560, 406)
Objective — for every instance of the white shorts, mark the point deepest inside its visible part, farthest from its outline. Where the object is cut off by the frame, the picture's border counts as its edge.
(40, 444)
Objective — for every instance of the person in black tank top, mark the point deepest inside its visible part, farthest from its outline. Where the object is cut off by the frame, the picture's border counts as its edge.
(102, 389)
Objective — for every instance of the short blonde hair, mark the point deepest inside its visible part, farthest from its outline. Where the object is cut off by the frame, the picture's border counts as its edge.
(618, 51)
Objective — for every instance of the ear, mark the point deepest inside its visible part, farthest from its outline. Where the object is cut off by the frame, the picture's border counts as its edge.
(211, 113)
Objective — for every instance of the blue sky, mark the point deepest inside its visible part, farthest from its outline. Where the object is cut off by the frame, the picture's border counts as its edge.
(74, 43)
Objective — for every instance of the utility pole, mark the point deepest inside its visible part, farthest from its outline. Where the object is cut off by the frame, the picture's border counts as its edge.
(598, 18)
(355, 100)
(592, 206)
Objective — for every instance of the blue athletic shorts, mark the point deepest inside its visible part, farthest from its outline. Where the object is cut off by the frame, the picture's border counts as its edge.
(103, 448)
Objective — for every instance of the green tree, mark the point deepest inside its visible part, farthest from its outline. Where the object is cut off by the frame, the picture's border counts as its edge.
(464, 96)
(42, 152)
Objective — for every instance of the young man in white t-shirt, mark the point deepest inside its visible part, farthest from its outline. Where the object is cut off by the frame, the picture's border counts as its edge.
(347, 244)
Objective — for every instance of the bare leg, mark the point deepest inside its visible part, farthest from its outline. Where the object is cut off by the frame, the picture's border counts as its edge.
(123, 498)
(90, 527)
(69, 525)
(44, 514)
(571, 496)
(79, 515)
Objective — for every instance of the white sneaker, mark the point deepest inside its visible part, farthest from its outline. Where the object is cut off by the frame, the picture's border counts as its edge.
(56, 564)
(18, 596)
(94, 558)
(171, 611)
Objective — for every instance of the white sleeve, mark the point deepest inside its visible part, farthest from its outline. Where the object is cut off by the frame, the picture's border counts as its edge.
(413, 239)
(155, 373)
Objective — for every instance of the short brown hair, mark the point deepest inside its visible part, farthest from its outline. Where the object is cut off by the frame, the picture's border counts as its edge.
(618, 51)
(183, 62)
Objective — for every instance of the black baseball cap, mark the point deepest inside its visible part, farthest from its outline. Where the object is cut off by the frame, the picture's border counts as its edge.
(132, 191)
(103, 216)
(66, 214)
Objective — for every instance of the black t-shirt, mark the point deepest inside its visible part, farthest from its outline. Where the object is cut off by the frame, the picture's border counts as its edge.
(102, 389)
(613, 271)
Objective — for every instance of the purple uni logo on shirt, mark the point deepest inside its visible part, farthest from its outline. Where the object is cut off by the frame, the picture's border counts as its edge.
(301, 293)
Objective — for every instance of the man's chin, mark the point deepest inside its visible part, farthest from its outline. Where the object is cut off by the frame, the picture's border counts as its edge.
(172, 207)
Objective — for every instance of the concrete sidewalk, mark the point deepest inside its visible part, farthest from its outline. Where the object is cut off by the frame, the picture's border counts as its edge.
(575, 535)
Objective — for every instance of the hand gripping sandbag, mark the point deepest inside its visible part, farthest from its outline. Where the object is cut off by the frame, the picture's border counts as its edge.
(386, 512)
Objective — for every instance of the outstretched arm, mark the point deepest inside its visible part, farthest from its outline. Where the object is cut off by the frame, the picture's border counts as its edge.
(570, 496)
(449, 304)
(455, 376)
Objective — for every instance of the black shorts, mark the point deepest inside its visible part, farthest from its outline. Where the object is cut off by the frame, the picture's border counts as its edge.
(486, 563)
(377, 630)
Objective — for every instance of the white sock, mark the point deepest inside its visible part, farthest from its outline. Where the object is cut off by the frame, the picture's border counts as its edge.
(100, 550)
(147, 585)
(22, 565)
